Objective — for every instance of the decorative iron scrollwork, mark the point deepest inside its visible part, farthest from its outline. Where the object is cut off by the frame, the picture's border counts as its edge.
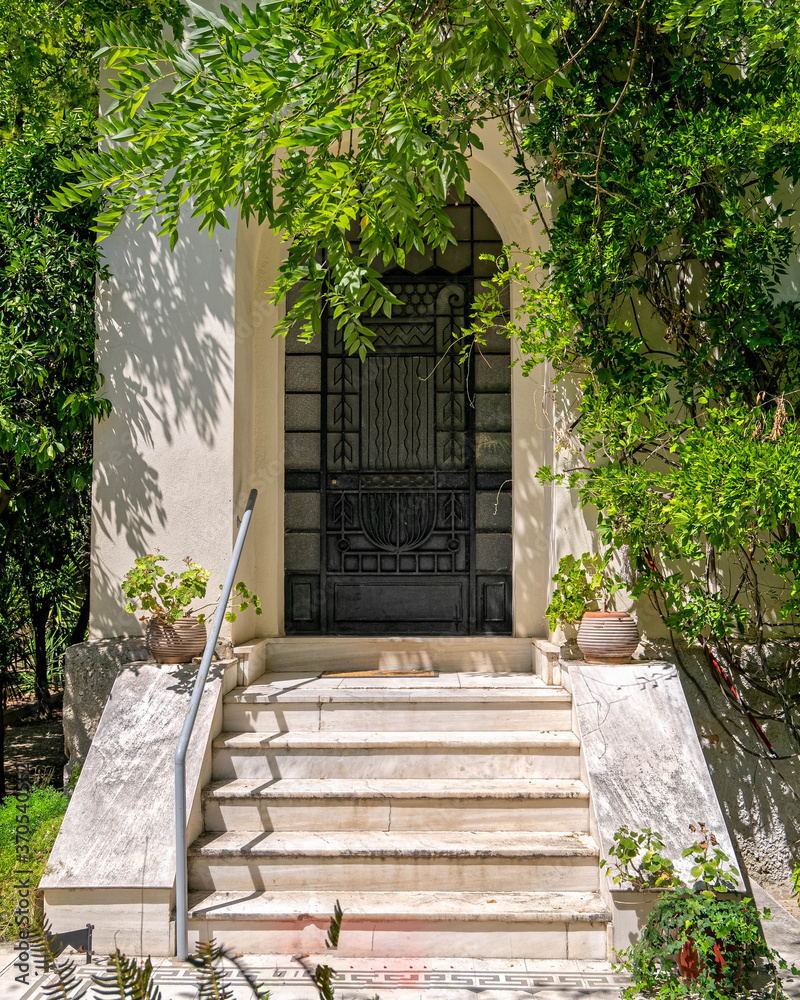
(398, 522)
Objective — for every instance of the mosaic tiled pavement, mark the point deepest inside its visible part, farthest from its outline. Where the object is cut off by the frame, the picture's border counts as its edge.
(389, 979)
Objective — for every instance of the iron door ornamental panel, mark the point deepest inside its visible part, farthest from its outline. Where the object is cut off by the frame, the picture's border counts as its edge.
(398, 543)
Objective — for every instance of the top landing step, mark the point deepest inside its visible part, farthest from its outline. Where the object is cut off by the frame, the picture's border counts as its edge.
(487, 654)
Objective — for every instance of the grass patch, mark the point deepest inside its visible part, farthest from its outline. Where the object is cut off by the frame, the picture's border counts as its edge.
(45, 810)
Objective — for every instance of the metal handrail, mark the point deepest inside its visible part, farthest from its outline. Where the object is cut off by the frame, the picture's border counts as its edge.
(181, 865)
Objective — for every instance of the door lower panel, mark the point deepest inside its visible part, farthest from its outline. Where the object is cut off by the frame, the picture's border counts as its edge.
(387, 606)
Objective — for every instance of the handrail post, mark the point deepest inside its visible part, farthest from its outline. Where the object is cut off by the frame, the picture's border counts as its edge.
(181, 864)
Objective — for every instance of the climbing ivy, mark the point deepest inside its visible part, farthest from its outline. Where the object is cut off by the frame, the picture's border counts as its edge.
(664, 304)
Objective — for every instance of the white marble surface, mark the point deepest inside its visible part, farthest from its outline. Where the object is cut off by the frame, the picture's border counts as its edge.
(643, 758)
(397, 689)
(479, 653)
(353, 861)
(399, 788)
(464, 714)
(548, 907)
(410, 762)
(397, 804)
(398, 704)
(355, 740)
(118, 831)
(360, 874)
(413, 756)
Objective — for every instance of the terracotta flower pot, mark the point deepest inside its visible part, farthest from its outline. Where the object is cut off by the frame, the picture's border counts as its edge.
(175, 643)
(690, 966)
(689, 963)
(608, 636)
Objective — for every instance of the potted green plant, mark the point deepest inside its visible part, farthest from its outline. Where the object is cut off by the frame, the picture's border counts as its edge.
(584, 595)
(162, 600)
(702, 940)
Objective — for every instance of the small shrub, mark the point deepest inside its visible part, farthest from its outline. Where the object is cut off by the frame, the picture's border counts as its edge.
(323, 974)
(45, 811)
(697, 944)
(213, 963)
(126, 978)
(699, 941)
(583, 584)
(165, 597)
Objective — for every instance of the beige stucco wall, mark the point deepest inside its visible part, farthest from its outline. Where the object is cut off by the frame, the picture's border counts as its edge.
(258, 462)
(163, 472)
(494, 186)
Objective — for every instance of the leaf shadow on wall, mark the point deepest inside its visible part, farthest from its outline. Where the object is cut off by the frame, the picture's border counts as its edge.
(165, 347)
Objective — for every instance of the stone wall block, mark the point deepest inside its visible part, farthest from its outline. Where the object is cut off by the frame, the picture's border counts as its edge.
(90, 669)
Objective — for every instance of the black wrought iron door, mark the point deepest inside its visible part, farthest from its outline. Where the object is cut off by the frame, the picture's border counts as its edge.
(398, 496)
(404, 454)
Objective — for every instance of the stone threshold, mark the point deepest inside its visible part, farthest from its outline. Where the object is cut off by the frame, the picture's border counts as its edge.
(329, 740)
(397, 788)
(403, 844)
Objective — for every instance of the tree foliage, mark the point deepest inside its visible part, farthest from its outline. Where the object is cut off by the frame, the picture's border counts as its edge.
(314, 117)
(48, 67)
(666, 307)
(48, 399)
(48, 376)
(666, 131)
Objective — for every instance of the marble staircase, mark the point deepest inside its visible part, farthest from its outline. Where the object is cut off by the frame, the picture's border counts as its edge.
(446, 813)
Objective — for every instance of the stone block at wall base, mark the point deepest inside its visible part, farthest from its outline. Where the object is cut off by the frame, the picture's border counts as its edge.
(90, 669)
(137, 921)
(546, 660)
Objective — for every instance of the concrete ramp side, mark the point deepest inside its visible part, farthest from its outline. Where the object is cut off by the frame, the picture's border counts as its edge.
(645, 768)
(113, 863)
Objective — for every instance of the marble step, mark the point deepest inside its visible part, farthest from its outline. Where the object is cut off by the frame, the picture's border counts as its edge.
(426, 704)
(500, 861)
(394, 804)
(548, 925)
(494, 654)
(351, 754)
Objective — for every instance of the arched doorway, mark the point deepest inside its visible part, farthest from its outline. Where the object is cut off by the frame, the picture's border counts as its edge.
(397, 491)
